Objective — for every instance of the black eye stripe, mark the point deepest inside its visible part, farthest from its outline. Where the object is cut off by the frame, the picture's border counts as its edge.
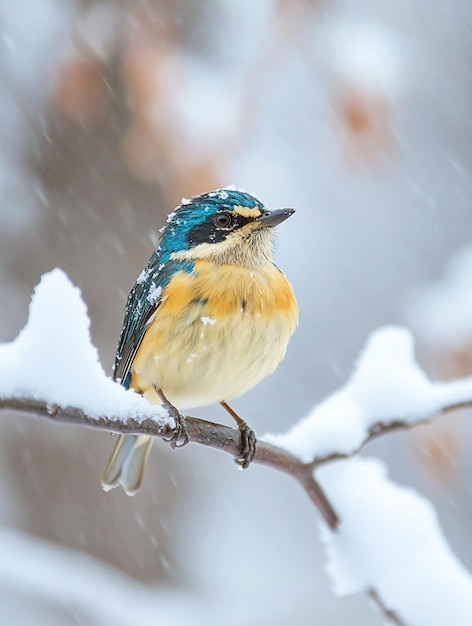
(216, 227)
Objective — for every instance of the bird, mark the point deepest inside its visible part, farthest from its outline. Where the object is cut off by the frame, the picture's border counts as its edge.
(208, 318)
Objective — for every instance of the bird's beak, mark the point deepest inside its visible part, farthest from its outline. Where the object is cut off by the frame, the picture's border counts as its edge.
(272, 218)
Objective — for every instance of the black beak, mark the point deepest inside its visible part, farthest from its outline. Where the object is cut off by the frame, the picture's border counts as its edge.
(272, 218)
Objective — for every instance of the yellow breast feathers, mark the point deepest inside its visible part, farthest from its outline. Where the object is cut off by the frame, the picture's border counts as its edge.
(217, 333)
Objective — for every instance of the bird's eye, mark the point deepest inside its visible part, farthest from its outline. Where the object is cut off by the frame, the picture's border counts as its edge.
(223, 220)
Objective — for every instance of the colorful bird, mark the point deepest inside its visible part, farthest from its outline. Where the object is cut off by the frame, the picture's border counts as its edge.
(209, 317)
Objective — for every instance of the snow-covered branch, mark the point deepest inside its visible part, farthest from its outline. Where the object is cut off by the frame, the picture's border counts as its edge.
(52, 369)
(199, 431)
(379, 537)
(388, 391)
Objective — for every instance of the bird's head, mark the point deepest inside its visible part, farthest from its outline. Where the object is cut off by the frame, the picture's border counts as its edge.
(225, 225)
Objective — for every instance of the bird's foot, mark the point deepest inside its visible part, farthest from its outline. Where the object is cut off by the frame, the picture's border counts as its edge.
(248, 439)
(180, 436)
(248, 446)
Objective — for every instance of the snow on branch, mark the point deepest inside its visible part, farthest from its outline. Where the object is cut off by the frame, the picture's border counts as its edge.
(387, 391)
(53, 359)
(389, 545)
(52, 369)
(380, 538)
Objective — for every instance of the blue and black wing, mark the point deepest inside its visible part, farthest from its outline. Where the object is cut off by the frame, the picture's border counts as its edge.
(143, 301)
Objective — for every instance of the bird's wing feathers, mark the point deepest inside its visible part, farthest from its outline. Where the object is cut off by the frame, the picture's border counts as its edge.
(143, 301)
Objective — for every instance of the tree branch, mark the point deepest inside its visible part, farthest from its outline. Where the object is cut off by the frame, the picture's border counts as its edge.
(388, 614)
(199, 431)
(380, 429)
(228, 440)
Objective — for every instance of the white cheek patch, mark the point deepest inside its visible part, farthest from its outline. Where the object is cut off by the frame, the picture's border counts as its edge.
(250, 246)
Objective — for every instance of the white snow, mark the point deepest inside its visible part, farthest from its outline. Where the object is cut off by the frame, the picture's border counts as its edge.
(207, 320)
(143, 276)
(387, 385)
(52, 358)
(389, 540)
(154, 293)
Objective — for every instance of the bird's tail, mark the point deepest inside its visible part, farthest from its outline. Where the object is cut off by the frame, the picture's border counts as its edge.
(127, 463)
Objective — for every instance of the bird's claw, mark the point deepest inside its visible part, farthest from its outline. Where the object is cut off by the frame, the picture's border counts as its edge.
(180, 437)
(248, 446)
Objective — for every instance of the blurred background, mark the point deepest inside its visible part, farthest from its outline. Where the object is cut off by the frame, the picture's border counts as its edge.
(356, 113)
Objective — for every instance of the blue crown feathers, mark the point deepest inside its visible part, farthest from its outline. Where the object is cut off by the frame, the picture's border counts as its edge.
(195, 211)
